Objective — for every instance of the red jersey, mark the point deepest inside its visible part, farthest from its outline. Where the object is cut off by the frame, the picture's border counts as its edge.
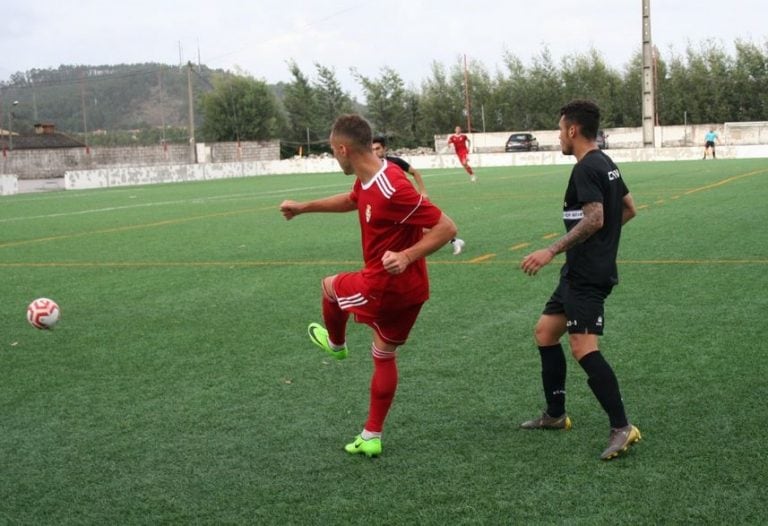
(459, 143)
(392, 217)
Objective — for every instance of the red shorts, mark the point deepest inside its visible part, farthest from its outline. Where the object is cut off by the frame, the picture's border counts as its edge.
(392, 320)
(462, 156)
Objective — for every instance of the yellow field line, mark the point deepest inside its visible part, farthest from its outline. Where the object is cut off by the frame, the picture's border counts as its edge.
(482, 259)
(253, 263)
(519, 246)
(550, 236)
(132, 227)
(725, 181)
(147, 264)
(693, 261)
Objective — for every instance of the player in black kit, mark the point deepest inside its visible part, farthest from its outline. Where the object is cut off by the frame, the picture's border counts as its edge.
(597, 204)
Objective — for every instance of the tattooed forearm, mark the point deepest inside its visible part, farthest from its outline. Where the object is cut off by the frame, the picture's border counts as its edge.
(589, 224)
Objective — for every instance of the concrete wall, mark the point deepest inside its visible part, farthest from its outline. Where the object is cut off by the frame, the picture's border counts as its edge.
(135, 175)
(45, 164)
(48, 163)
(555, 157)
(741, 133)
(9, 184)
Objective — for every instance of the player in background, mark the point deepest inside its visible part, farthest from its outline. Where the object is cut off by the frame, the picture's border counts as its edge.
(382, 152)
(709, 142)
(388, 293)
(460, 143)
(597, 204)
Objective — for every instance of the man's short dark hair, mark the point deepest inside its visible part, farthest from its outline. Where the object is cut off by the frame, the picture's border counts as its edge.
(381, 139)
(355, 128)
(585, 113)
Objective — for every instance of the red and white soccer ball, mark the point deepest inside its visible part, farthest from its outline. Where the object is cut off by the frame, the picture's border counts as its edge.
(43, 313)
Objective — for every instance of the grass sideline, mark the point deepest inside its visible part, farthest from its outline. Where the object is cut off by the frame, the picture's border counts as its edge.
(180, 386)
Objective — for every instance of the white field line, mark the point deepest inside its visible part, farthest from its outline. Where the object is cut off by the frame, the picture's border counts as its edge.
(248, 195)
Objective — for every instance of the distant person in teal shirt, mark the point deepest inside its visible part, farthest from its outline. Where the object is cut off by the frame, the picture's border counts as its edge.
(710, 139)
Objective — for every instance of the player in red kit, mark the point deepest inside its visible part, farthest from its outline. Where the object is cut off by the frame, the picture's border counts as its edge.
(387, 294)
(460, 144)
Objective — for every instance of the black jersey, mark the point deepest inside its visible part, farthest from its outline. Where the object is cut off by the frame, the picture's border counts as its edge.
(399, 161)
(594, 179)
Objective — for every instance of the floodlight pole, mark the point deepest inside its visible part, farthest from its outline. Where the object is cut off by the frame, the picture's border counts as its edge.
(192, 144)
(649, 87)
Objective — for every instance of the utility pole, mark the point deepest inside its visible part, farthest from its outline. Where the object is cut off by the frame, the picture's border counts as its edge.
(10, 125)
(466, 97)
(162, 103)
(649, 88)
(192, 144)
(34, 105)
(85, 120)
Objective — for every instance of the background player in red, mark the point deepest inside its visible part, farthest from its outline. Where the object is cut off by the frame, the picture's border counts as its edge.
(382, 152)
(387, 294)
(460, 144)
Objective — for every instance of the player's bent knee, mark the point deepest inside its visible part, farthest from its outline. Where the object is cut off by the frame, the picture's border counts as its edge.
(382, 347)
(582, 344)
(545, 340)
(545, 334)
(327, 285)
(383, 351)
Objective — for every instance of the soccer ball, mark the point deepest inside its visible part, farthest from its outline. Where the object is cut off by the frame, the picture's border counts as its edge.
(43, 313)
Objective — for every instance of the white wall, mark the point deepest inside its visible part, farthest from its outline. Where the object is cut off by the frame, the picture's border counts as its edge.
(739, 133)
(134, 175)
(9, 184)
(110, 177)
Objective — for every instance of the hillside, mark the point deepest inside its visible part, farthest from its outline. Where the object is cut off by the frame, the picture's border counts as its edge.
(115, 98)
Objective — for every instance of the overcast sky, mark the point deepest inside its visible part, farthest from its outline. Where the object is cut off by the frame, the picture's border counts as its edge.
(407, 35)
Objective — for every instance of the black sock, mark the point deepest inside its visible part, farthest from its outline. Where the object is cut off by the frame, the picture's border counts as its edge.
(553, 370)
(604, 384)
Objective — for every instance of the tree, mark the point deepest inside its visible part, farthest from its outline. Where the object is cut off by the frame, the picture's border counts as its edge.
(386, 103)
(586, 76)
(474, 80)
(628, 100)
(544, 93)
(439, 108)
(301, 104)
(332, 100)
(749, 96)
(510, 96)
(240, 108)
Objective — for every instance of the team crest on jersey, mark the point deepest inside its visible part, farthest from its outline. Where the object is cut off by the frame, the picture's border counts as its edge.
(368, 213)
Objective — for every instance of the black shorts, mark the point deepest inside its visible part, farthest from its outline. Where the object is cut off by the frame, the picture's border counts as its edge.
(583, 306)
(709, 144)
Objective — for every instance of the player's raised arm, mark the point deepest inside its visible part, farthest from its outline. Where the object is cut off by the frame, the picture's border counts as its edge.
(334, 203)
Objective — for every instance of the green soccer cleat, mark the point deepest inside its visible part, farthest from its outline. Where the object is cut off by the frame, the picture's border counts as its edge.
(369, 448)
(319, 336)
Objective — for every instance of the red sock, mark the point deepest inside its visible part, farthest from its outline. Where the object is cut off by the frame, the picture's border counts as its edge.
(335, 321)
(383, 387)
(469, 170)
